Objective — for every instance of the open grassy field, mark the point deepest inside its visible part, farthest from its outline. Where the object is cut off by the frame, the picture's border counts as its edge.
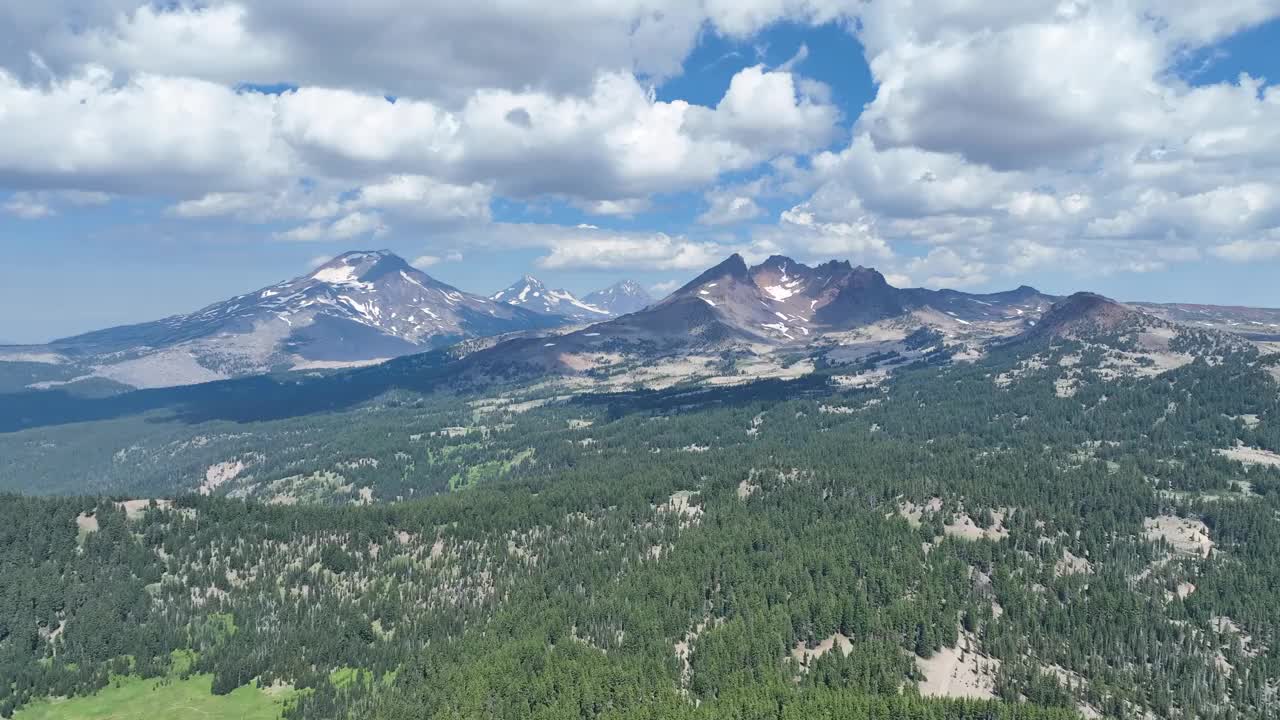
(137, 699)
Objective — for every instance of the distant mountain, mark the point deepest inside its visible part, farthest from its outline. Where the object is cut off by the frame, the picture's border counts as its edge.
(781, 300)
(1253, 323)
(1085, 314)
(531, 293)
(777, 303)
(620, 298)
(361, 307)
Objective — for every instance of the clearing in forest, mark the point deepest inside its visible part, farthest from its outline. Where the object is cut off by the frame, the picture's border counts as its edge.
(138, 699)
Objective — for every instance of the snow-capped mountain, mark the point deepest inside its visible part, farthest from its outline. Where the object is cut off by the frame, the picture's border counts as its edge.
(621, 298)
(779, 303)
(359, 308)
(532, 294)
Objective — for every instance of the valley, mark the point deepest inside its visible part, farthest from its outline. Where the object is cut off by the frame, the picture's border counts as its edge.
(942, 505)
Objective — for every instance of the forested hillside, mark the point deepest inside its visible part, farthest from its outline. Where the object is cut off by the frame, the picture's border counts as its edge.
(1030, 535)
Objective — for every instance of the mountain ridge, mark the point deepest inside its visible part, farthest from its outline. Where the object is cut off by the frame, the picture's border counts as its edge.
(360, 307)
(366, 306)
(532, 294)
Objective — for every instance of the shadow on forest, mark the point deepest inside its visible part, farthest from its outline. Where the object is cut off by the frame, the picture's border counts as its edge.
(289, 395)
(258, 398)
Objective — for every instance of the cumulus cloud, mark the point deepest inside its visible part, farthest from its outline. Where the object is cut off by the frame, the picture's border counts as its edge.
(425, 48)
(150, 134)
(36, 205)
(422, 262)
(1048, 135)
(356, 224)
(1262, 248)
(161, 134)
(730, 205)
(582, 248)
(426, 199)
(27, 207)
(1003, 138)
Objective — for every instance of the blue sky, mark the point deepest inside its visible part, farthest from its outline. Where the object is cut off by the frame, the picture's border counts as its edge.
(156, 158)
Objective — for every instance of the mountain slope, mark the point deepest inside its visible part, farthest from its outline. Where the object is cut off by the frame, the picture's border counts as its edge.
(531, 293)
(779, 304)
(361, 307)
(1085, 314)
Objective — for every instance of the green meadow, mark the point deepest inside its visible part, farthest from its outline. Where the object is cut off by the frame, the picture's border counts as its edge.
(164, 699)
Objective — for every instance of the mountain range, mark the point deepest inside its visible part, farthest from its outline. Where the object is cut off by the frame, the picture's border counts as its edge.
(365, 307)
(359, 308)
(530, 293)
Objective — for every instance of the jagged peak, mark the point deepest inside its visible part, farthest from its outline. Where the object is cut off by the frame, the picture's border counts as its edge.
(778, 261)
(731, 267)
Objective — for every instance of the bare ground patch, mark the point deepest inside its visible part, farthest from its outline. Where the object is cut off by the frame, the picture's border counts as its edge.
(1188, 537)
(1251, 456)
(959, 672)
(219, 474)
(803, 654)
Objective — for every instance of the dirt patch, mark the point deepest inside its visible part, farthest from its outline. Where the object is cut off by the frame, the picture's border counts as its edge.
(1228, 628)
(1251, 456)
(963, 527)
(1071, 564)
(135, 509)
(861, 380)
(684, 648)
(1187, 537)
(804, 654)
(220, 474)
(87, 523)
(746, 489)
(914, 514)
(1065, 387)
(1250, 420)
(959, 672)
(680, 504)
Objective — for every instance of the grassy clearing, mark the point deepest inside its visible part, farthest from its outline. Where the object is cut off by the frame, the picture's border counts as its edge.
(137, 699)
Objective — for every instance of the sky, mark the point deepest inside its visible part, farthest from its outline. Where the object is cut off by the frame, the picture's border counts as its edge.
(157, 157)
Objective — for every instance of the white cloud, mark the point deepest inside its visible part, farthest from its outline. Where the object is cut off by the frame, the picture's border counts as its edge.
(294, 203)
(801, 233)
(1012, 136)
(626, 207)
(36, 205)
(356, 224)
(574, 248)
(151, 134)
(730, 205)
(1005, 137)
(1240, 251)
(27, 207)
(426, 199)
(662, 289)
(422, 262)
(770, 113)
(612, 148)
(945, 267)
(424, 48)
